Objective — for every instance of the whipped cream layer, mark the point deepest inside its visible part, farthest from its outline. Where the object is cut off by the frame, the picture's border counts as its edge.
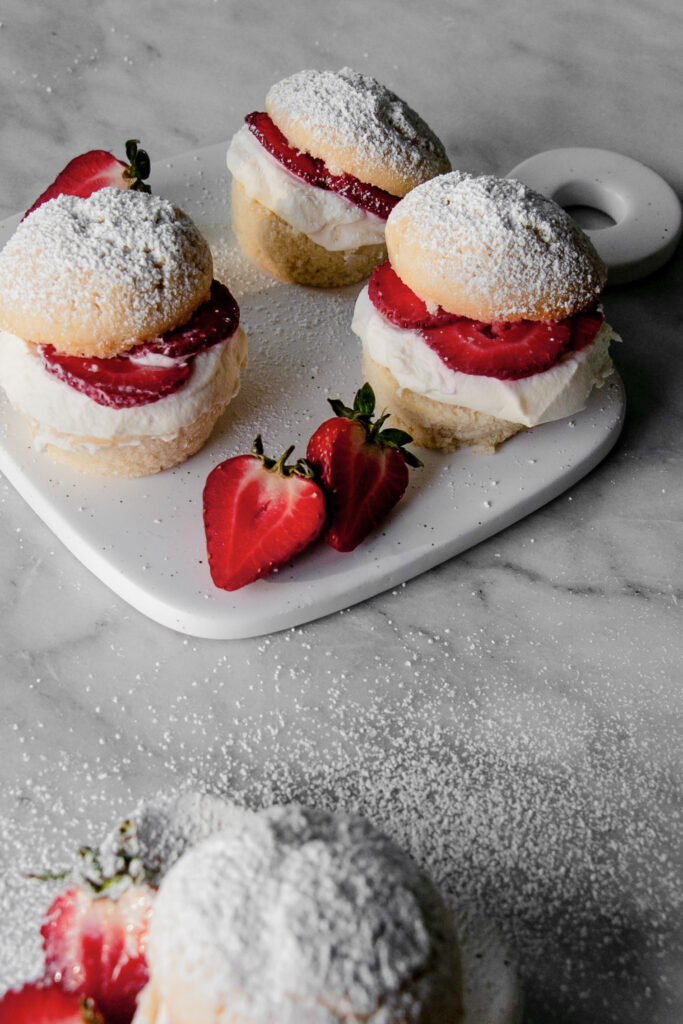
(68, 419)
(327, 218)
(551, 395)
(151, 1009)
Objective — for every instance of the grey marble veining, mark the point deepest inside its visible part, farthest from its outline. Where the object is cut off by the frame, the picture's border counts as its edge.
(512, 716)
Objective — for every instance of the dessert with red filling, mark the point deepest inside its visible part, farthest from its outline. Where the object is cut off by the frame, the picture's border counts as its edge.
(316, 175)
(484, 320)
(116, 342)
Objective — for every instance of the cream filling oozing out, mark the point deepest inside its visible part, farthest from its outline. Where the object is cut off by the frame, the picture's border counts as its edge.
(64, 417)
(551, 395)
(327, 218)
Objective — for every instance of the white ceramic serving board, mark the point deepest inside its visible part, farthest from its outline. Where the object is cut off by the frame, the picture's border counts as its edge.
(145, 538)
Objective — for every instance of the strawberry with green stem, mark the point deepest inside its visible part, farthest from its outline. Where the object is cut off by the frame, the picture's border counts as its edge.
(95, 932)
(98, 169)
(362, 468)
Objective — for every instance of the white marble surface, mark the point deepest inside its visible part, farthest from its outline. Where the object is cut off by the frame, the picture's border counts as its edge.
(511, 716)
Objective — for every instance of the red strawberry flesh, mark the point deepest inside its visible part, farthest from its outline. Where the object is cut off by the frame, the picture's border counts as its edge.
(362, 481)
(41, 1003)
(124, 381)
(84, 175)
(399, 304)
(257, 519)
(314, 171)
(505, 350)
(511, 351)
(95, 947)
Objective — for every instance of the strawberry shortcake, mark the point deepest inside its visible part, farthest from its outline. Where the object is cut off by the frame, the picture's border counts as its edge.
(316, 175)
(485, 319)
(293, 914)
(116, 343)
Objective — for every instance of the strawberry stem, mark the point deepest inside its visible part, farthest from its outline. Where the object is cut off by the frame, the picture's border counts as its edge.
(48, 876)
(362, 412)
(300, 468)
(139, 166)
(128, 867)
(280, 464)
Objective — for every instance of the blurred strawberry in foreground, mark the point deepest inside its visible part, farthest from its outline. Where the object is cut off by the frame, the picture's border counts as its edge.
(38, 1003)
(95, 932)
(95, 947)
(259, 513)
(363, 469)
(97, 169)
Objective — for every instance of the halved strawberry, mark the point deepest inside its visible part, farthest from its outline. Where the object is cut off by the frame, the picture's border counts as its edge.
(97, 169)
(399, 303)
(136, 377)
(95, 947)
(41, 1003)
(258, 513)
(362, 468)
(315, 171)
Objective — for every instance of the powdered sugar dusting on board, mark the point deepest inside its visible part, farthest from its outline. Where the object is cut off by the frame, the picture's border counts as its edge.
(348, 109)
(296, 913)
(117, 252)
(498, 239)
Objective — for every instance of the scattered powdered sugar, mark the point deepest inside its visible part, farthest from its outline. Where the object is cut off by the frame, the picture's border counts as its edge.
(296, 913)
(71, 257)
(353, 110)
(548, 814)
(498, 239)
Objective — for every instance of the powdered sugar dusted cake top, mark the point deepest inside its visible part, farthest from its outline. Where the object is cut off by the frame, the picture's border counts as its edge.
(492, 249)
(94, 276)
(294, 914)
(358, 126)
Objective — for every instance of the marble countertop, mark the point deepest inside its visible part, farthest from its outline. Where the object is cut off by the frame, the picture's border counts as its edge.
(511, 716)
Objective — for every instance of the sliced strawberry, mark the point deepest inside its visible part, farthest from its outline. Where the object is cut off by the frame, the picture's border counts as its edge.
(95, 947)
(506, 350)
(399, 303)
(41, 1003)
(97, 169)
(120, 382)
(135, 378)
(510, 351)
(258, 513)
(215, 320)
(585, 327)
(362, 468)
(314, 170)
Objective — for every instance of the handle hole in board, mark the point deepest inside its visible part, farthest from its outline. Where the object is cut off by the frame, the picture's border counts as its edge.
(589, 218)
(591, 203)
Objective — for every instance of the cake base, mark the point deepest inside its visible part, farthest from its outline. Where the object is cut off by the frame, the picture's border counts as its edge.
(291, 255)
(435, 424)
